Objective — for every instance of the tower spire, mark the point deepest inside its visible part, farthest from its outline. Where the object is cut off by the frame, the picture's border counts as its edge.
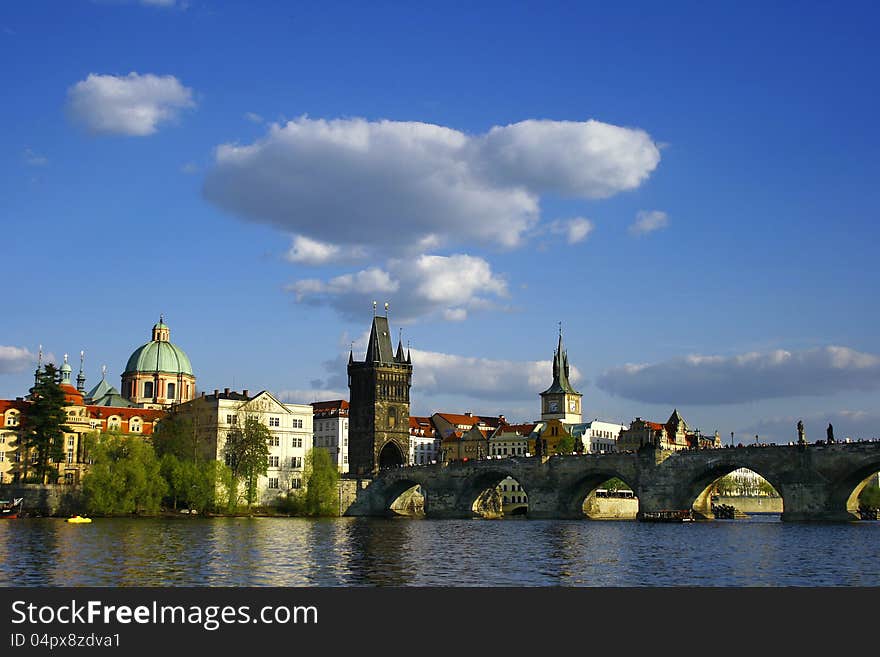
(81, 377)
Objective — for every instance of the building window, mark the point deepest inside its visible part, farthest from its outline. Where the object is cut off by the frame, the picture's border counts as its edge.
(296, 482)
(148, 388)
(12, 420)
(345, 459)
(297, 423)
(68, 478)
(70, 455)
(273, 482)
(273, 441)
(70, 441)
(231, 419)
(2, 456)
(296, 442)
(273, 462)
(274, 421)
(134, 425)
(172, 390)
(296, 461)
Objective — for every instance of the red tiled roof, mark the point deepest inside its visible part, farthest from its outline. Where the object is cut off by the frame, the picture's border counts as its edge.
(655, 425)
(148, 414)
(6, 404)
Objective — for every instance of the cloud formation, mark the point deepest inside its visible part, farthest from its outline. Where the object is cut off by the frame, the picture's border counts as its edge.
(575, 230)
(391, 184)
(15, 359)
(445, 286)
(437, 374)
(753, 376)
(133, 105)
(648, 222)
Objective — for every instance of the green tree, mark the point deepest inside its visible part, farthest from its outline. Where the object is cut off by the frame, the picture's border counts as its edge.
(320, 497)
(870, 496)
(175, 434)
(191, 484)
(43, 426)
(247, 452)
(125, 477)
(565, 444)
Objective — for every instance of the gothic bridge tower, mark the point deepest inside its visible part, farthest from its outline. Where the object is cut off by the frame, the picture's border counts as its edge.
(378, 423)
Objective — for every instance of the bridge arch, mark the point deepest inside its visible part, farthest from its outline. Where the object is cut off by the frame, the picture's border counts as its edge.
(845, 491)
(575, 499)
(697, 493)
(404, 496)
(390, 456)
(481, 488)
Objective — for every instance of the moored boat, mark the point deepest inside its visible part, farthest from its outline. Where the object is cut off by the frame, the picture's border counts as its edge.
(666, 515)
(79, 519)
(11, 509)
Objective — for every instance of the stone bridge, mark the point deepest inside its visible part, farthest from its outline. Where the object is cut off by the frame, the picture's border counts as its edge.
(816, 482)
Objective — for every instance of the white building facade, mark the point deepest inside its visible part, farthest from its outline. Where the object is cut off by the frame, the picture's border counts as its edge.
(214, 416)
(330, 419)
(598, 437)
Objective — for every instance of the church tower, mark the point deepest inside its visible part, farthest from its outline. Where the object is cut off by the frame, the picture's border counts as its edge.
(561, 401)
(378, 423)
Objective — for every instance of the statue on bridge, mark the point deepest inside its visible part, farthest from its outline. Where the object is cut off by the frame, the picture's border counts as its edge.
(800, 429)
(829, 434)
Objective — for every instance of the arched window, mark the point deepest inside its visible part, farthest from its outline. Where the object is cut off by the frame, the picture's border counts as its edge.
(392, 417)
(148, 388)
(172, 389)
(134, 425)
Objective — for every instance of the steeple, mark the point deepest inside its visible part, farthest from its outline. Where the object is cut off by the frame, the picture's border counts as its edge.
(81, 377)
(561, 369)
(379, 347)
(399, 356)
(39, 365)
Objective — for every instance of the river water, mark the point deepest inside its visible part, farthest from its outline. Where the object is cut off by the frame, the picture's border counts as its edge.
(757, 551)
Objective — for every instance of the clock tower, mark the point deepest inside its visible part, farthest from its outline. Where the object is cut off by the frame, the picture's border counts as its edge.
(561, 401)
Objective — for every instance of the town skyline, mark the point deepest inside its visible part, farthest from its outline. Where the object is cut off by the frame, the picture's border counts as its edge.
(698, 214)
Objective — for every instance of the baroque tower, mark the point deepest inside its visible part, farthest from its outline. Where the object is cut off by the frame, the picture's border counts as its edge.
(378, 423)
(561, 401)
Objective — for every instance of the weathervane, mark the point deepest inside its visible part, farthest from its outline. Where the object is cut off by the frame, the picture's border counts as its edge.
(386, 309)
(374, 309)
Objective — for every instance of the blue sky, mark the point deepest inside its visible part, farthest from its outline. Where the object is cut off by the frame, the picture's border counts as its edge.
(690, 188)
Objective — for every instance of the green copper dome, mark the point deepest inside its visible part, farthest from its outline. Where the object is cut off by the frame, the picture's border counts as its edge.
(159, 356)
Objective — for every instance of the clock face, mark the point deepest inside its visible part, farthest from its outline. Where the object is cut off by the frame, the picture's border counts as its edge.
(553, 406)
(572, 405)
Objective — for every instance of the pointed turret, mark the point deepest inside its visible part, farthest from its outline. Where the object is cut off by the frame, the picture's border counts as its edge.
(379, 348)
(81, 377)
(560, 370)
(400, 357)
(66, 371)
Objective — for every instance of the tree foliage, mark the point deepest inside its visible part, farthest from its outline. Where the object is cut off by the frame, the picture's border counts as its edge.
(320, 497)
(247, 453)
(43, 426)
(125, 477)
(175, 435)
(870, 496)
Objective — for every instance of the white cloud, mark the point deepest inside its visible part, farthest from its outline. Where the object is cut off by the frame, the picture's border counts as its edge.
(448, 286)
(391, 184)
(575, 230)
(648, 221)
(700, 379)
(312, 252)
(587, 159)
(253, 117)
(437, 375)
(309, 395)
(132, 105)
(15, 359)
(34, 159)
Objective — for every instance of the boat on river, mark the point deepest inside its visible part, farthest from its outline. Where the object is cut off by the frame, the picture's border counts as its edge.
(667, 515)
(78, 520)
(11, 509)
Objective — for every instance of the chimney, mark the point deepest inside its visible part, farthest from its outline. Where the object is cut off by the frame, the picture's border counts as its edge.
(245, 393)
(225, 391)
(216, 392)
(203, 393)
(467, 413)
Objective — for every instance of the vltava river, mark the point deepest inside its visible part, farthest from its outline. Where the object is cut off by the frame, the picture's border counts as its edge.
(758, 551)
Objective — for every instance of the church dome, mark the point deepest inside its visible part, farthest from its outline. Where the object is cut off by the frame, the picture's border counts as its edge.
(159, 355)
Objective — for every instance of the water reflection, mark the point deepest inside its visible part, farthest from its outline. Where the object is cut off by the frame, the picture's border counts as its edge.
(760, 551)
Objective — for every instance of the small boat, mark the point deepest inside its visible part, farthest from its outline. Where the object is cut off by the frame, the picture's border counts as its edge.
(78, 520)
(11, 509)
(678, 515)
